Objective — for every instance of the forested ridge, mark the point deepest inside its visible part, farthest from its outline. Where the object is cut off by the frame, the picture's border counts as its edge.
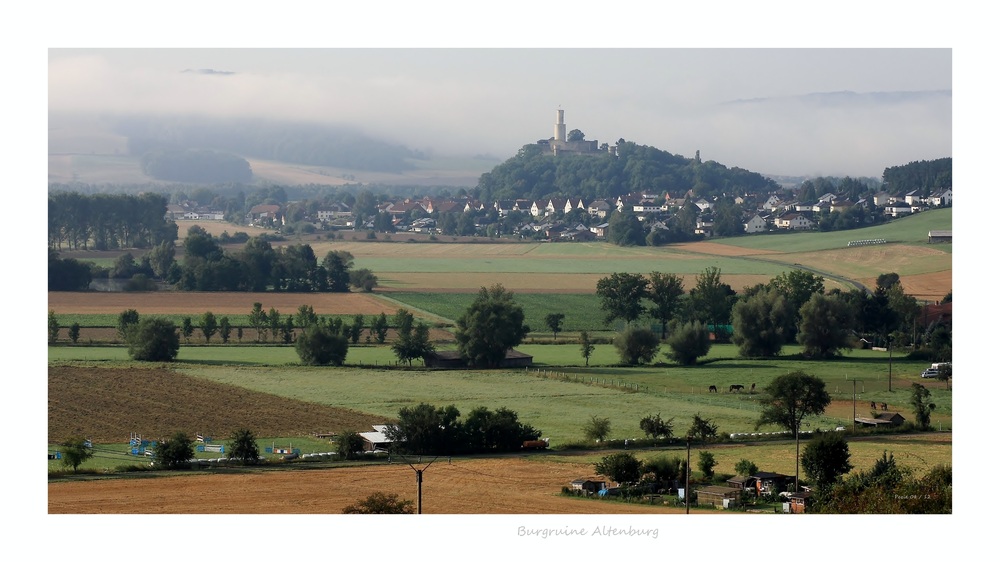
(298, 143)
(533, 173)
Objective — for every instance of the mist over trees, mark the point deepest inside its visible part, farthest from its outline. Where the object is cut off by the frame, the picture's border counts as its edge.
(300, 143)
(196, 166)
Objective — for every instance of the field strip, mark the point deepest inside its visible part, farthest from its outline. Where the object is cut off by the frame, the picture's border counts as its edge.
(422, 312)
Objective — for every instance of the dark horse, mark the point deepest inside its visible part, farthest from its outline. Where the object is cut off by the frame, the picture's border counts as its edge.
(873, 405)
(735, 387)
(884, 406)
(713, 389)
(753, 387)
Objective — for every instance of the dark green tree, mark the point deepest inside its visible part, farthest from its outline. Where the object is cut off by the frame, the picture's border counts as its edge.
(760, 322)
(349, 445)
(824, 328)
(665, 291)
(258, 320)
(597, 428)
(825, 458)
(127, 320)
(712, 301)
(702, 429)
(656, 428)
(586, 347)
(209, 326)
(225, 329)
(363, 279)
(788, 399)
(174, 452)
(497, 430)
(187, 328)
(746, 468)
(623, 468)
(357, 326)
(412, 340)
(380, 327)
(624, 229)
(243, 447)
(75, 451)
(53, 327)
(688, 341)
(922, 407)
(154, 339)
(554, 322)
(74, 332)
(621, 296)
(380, 503)
(707, 464)
(637, 346)
(663, 470)
(492, 325)
(321, 345)
(426, 430)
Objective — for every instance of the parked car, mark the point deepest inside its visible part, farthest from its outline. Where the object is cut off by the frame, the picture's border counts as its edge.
(929, 374)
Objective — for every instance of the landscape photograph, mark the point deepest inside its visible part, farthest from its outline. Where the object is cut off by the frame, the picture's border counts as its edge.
(556, 298)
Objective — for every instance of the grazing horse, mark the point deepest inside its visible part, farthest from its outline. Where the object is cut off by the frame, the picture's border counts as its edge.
(713, 389)
(873, 406)
(735, 387)
(753, 387)
(884, 406)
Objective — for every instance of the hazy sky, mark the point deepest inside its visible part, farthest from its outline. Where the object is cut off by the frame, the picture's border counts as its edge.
(473, 100)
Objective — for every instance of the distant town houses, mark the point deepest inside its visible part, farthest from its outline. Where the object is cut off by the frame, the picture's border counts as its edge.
(575, 218)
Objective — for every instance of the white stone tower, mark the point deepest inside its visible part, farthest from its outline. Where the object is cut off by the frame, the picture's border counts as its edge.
(560, 126)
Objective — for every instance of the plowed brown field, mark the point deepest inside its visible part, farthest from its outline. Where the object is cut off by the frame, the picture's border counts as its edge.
(107, 404)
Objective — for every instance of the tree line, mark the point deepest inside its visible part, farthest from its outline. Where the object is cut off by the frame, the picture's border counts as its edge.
(791, 307)
(106, 221)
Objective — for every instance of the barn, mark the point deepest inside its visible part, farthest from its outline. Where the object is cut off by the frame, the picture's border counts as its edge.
(939, 236)
(454, 360)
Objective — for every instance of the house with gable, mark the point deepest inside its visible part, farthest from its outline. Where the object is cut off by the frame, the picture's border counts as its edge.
(755, 225)
(793, 221)
(940, 198)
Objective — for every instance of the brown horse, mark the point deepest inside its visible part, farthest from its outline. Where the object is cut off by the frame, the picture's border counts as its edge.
(735, 387)
(884, 406)
(873, 406)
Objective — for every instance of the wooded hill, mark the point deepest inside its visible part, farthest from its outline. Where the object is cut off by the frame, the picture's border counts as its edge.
(534, 173)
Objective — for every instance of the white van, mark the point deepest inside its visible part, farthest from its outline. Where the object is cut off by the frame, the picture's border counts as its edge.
(938, 366)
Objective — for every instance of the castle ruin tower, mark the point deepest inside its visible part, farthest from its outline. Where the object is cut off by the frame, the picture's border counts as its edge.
(560, 126)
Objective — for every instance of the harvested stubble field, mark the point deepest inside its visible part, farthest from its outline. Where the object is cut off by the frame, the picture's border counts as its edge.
(219, 303)
(510, 485)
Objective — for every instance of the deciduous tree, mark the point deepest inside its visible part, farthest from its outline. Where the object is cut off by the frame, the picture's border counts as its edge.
(688, 342)
(321, 345)
(209, 326)
(597, 428)
(623, 468)
(759, 324)
(75, 451)
(554, 322)
(636, 346)
(665, 291)
(492, 325)
(788, 399)
(154, 339)
(825, 458)
(621, 296)
(381, 503)
(586, 347)
(243, 447)
(824, 327)
(174, 452)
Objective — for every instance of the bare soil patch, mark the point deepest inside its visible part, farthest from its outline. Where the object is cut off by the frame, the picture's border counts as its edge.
(107, 404)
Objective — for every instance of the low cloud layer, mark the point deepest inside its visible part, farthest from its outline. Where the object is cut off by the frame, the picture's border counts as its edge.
(757, 109)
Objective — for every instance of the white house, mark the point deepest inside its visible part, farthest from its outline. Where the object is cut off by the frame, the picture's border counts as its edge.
(793, 221)
(939, 198)
(755, 225)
